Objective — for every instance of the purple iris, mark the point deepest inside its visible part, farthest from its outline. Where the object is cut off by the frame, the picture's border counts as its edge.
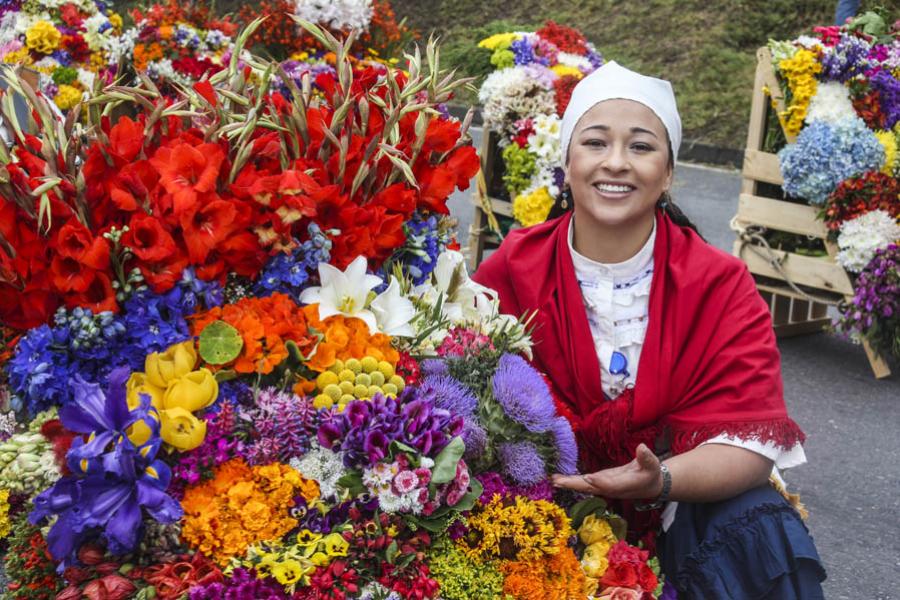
(113, 479)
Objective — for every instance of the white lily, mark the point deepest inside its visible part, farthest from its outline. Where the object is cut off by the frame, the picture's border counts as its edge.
(393, 312)
(468, 298)
(344, 292)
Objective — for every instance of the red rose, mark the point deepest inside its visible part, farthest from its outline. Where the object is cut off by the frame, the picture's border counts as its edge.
(622, 552)
(620, 575)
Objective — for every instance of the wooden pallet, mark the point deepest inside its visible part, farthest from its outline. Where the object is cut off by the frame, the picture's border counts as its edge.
(818, 282)
(488, 202)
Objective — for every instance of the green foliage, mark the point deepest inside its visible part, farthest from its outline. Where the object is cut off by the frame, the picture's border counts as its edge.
(220, 343)
(462, 578)
(520, 165)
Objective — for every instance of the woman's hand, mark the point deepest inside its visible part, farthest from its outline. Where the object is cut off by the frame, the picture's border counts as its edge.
(638, 480)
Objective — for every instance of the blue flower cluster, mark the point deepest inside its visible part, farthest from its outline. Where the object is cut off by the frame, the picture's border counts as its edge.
(426, 238)
(290, 273)
(825, 155)
(888, 88)
(91, 346)
(522, 51)
(849, 58)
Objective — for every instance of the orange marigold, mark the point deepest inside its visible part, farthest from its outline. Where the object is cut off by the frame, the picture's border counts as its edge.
(265, 324)
(557, 577)
(240, 506)
(345, 338)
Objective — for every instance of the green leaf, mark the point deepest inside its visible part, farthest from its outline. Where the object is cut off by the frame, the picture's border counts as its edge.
(618, 525)
(589, 506)
(399, 447)
(220, 343)
(353, 483)
(391, 553)
(445, 463)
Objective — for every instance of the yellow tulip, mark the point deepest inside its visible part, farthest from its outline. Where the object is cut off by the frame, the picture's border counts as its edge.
(164, 367)
(192, 391)
(181, 429)
(137, 384)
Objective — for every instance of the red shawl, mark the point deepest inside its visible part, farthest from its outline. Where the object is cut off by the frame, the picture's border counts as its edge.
(709, 364)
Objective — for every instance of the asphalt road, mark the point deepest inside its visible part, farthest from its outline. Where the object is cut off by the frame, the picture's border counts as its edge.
(851, 484)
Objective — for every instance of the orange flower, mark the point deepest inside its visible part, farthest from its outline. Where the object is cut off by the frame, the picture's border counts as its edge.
(557, 577)
(345, 338)
(241, 506)
(265, 325)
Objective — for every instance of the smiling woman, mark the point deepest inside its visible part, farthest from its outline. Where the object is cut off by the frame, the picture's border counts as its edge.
(654, 339)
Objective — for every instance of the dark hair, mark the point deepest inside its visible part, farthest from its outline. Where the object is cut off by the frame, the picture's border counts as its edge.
(565, 203)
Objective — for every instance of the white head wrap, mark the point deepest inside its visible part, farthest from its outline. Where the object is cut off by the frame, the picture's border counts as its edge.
(612, 81)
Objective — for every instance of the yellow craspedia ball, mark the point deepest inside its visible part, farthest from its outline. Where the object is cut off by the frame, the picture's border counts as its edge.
(377, 378)
(386, 369)
(346, 387)
(333, 392)
(389, 389)
(354, 365)
(369, 364)
(43, 37)
(374, 389)
(363, 379)
(322, 401)
(360, 391)
(325, 379)
(67, 97)
(398, 382)
(346, 398)
(347, 375)
(338, 366)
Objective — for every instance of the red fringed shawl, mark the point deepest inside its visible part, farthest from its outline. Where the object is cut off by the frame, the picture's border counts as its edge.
(709, 364)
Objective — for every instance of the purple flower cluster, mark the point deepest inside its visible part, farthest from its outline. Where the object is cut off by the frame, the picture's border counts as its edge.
(877, 289)
(523, 394)
(888, 89)
(494, 485)
(426, 238)
(219, 446)
(364, 431)
(849, 58)
(521, 462)
(284, 426)
(241, 585)
(522, 51)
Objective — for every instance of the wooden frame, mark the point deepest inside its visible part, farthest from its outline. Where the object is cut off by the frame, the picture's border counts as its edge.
(484, 232)
(795, 309)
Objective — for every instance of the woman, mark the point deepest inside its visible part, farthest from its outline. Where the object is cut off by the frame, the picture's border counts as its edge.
(663, 351)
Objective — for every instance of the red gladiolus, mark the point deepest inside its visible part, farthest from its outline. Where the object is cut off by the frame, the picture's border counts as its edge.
(148, 239)
(187, 170)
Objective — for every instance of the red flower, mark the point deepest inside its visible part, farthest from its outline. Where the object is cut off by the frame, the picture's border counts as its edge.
(187, 170)
(564, 87)
(207, 224)
(77, 47)
(565, 38)
(131, 187)
(71, 16)
(61, 439)
(858, 195)
(98, 297)
(148, 239)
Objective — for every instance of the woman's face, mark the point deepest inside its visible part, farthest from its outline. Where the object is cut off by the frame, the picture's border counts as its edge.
(618, 163)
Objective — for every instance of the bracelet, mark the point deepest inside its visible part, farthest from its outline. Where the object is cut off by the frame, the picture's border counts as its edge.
(663, 494)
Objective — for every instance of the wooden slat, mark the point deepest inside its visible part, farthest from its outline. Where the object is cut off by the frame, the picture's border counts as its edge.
(781, 311)
(879, 367)
(819, 310)
(780, 215)
(500, 207)
(801, 328)
(816, 273)
(762, 166)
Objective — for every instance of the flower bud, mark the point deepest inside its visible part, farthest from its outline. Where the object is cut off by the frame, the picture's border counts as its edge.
(181, 430)
(193, 391)
(177, 360)
(138, 384)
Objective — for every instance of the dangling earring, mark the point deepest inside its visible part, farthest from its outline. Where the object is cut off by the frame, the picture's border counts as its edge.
(664, 200)
(566, 198)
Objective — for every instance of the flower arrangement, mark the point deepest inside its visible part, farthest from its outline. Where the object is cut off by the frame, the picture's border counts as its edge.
(842, 87)
(72, 45)
(524, 99)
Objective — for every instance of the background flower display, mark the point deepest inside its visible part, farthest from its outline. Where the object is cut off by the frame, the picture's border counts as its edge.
(524, 99)
(842, 89)
(71, 45)
(246, 361)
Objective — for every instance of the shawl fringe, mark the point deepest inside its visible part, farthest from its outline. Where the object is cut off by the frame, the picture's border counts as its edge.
(785, 433)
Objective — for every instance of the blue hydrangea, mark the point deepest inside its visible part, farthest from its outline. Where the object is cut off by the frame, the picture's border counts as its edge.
(290, 273)
(825, 155)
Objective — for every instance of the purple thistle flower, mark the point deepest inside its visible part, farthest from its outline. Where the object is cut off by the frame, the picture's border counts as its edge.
(449, 394)
(566, 446)
(523, 394)
(434, 367)
(521, 462)
(475, 438)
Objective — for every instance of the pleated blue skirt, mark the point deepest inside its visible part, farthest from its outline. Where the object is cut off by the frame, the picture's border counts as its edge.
(752, 547)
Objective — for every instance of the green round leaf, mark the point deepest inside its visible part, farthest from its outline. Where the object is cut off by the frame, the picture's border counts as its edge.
(220, 343)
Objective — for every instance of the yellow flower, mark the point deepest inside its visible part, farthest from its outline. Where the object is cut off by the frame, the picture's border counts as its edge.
(43, 37)
(181, 430)
(176, 361)
(307, 537)
(137, 384)
(499, 40)
(192, 391)
(4, 513)
(288, 572)
(594, 560)
(320, 559)
(531, 209)
(115, 19)
(889, 142)
(800, 71)
(20, 56)
(563, 70)
(594, 530)
(335, 545)
(67, 97)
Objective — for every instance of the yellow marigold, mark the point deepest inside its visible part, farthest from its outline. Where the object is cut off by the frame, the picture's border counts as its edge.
(499, 40)
(4, 513)
(20, 56)
(42, 37)
(67, 96)
(889, 143)
(558, 578)
(800, 71)
(563, 70)
(240, 506)
(524, 530)
(532, 209)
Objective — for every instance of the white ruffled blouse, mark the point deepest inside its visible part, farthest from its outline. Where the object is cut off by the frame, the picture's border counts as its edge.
(617, 299)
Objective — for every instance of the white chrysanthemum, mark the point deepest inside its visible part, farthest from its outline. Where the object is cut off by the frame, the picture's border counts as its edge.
(831, 103)
(121, 46)
(86, 78)
(321, 465)
(809, 42)
(861, 237)
(574, 60)
(510, 94)
(337, 14)
(48, 63)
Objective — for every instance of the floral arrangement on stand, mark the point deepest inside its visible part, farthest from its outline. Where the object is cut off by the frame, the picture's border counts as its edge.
(245, 360)
(70, 44)
(842, 89)
(524, 100)
(176, 43)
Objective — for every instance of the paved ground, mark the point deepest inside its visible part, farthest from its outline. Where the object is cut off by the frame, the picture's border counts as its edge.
(851, 484)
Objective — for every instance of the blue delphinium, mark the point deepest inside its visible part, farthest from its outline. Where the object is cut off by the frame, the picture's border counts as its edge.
(290, 273)
(522, 50)
(426, 238)
(849, 58)
(825, 155)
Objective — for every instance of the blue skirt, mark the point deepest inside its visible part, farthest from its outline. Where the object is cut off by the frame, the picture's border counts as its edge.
(753, 546)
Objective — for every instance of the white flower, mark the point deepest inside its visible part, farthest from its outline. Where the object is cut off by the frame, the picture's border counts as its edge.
(323, 466)
(86, 78)
(831, 103)
(808, 42)
(861, 237)
(510, 94)
(393, 312)
(337, 14)
(344, 292)
(574, 60)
